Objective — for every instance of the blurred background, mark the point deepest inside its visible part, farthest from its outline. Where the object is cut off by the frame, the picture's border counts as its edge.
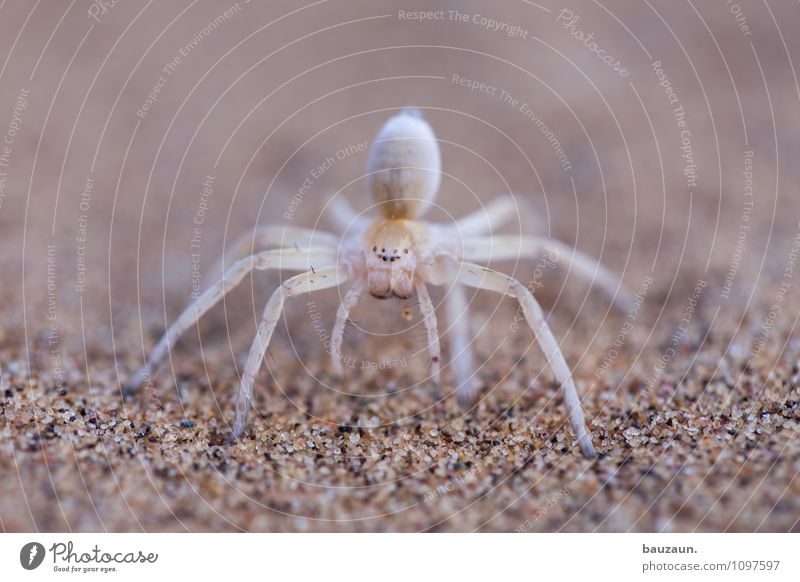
(141, 138)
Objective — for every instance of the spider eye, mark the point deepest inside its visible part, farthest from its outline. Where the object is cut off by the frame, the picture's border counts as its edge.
(383, 250)
(405, 251)
(395, 251)
(374, 249)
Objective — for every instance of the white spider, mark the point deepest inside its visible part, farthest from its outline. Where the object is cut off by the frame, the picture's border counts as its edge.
(396, 254)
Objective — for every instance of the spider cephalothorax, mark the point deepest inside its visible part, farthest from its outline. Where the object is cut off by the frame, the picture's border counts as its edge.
(397, 253)
(392, 259)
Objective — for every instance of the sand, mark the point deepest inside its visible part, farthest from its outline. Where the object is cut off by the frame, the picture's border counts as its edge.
(116, 204)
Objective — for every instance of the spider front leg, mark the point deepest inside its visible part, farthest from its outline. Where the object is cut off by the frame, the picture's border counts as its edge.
(429, 319)
(306, 283)
(342, 315)
(458, 333)
(479, 277)
(461, 359)
(272, 259)
(510, 247)
(350, 300)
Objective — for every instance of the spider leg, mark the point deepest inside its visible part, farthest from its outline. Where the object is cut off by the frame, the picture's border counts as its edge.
(490, 217)
(342, 315)
(272, 259)
(479, 277)
(305, 283)
(429, 319)
(269, 236)
(510, 247)
(343, 216)
(460, 347)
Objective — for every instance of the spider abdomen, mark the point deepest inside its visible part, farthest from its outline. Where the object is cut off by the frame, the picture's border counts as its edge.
(405, 166)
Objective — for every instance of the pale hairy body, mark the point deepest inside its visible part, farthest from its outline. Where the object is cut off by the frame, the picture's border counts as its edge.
(398, 254)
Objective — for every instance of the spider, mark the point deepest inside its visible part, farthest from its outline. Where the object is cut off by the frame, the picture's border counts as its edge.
(397, 254)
